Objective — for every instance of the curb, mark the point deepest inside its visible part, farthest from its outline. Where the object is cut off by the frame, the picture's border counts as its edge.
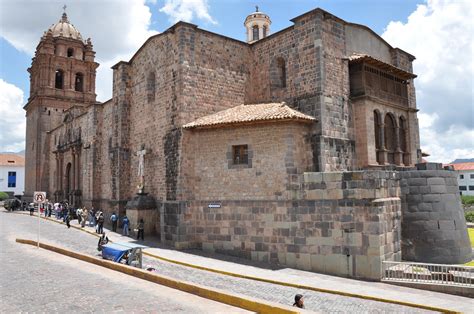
(232, 299)
(281, 283)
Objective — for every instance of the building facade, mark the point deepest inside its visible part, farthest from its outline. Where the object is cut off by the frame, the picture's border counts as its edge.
(12, 173)
(258, 148)
(465, 175)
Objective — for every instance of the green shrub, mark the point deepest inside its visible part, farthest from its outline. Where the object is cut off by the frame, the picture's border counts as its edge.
(469, 216)
(3, 196)
(467, 199)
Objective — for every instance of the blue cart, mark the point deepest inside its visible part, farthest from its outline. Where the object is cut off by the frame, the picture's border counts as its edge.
(124, 252)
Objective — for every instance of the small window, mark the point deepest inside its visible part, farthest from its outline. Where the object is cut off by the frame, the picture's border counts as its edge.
(58, 83)
(240, 154)
(12, 179)
(264, 31)
(471, 176)
(461, 176)
(70, 52)
(282, 72)
(462, 188)
(11, 161)
(471, 188)
(255, 32)
(79, 82)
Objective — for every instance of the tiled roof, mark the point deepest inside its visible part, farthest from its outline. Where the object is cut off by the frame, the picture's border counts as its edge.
(463, 166)
(249, 114)
(357, 57)
(12, 160)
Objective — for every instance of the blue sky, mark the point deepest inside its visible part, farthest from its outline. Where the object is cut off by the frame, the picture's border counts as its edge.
(119, 27)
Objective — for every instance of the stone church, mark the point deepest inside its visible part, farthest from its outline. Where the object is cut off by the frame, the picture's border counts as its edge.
(296, 147)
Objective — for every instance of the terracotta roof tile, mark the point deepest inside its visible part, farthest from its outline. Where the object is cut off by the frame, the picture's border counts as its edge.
(358, 57)
(250, 113)
(463, 166)
(12, 160)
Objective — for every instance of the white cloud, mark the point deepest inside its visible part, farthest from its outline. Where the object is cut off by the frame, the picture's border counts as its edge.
(185, 10)
(440, 34)
(12, 118)
(445, 146)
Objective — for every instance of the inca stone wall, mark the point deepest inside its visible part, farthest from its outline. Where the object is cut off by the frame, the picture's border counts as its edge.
(343, 224)
(433, 225)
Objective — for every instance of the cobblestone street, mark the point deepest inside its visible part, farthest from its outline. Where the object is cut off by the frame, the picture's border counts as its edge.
(14, 225)
(33, 280)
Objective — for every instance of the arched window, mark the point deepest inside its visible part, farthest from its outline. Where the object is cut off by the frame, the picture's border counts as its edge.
(281, 67)
(264, 31)
(255, 32)
(70, 52)
(377, 135)
(402, 134)
(59, 79)
(390, 140)
(150, 86)
(79, 82)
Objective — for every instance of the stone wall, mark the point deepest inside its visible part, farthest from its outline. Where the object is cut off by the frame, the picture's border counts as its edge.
(277, 151)
(341, 223)
(433, 225)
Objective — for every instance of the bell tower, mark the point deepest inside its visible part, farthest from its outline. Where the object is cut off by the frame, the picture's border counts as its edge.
(257, 25)
(62, 75)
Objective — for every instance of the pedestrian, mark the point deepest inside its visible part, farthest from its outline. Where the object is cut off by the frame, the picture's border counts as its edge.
(125, 225)
(141, 229)
(84, 217)
(67, 219)
(114, 219)
(299, 301)
(97, 214)
(103, 240)
(79, 215)
(100, 224)
(92, 217)
(32, 209)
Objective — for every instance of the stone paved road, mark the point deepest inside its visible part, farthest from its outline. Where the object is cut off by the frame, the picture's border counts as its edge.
(316, 301)
(33, 280)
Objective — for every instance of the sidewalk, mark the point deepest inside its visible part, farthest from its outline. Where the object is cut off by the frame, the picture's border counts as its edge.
(248, 268)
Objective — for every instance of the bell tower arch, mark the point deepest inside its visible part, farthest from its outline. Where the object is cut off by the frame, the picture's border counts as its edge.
(257, 25)
(62, 75)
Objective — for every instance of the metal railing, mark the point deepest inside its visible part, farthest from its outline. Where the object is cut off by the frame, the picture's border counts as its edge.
(450, 275)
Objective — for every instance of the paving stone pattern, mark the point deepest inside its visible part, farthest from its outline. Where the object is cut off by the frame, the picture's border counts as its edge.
(321, 302)
(34, 280)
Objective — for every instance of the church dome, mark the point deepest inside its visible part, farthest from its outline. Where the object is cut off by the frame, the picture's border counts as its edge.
(65, 29)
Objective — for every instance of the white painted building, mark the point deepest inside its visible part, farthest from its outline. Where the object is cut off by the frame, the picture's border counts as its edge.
(465, 173)
(12, 173)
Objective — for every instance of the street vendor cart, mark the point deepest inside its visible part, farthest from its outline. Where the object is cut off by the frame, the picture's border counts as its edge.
(124, 252)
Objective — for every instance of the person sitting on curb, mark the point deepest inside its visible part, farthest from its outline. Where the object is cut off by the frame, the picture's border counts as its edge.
(299, 301)
(103, 240)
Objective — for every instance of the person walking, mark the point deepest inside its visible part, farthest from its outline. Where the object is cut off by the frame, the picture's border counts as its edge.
(84, 217)
(67, 219)
(125, 226)
(100, 224)
(141, 229)
(79, 215)
(92, 217)
(114, 219)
